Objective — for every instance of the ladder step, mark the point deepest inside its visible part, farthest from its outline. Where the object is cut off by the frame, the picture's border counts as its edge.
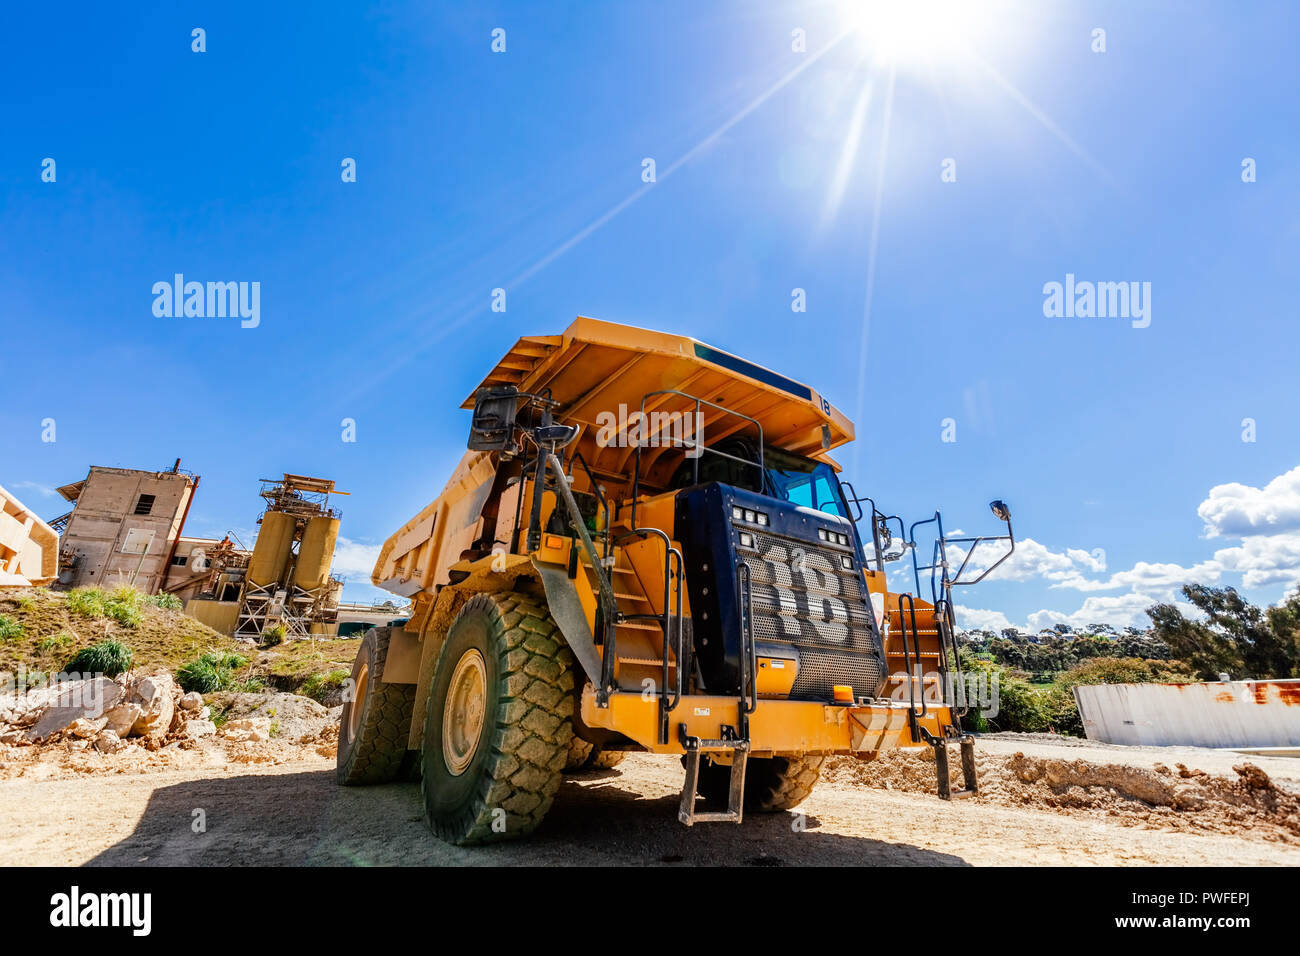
(624, 596)
(640, 626)
(645, 661)
(586, 563)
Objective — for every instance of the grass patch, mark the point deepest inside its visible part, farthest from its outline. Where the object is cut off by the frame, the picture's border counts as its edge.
(165, 602)
(123, 604)
(55, 642)
(211, 672)
(10, 628)
(273, 636)
(319, 685)
(109, 658)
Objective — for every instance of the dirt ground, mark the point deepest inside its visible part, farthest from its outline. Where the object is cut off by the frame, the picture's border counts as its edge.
(1045, 801)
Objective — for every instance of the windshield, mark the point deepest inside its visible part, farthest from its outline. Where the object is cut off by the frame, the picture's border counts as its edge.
(801, 481)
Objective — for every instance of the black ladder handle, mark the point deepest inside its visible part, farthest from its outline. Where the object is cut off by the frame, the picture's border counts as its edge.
(748, 649)
(678, 638)
(948, 627)
(916, 641)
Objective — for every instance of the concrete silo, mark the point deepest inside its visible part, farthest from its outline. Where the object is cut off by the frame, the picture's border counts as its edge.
(288, 584)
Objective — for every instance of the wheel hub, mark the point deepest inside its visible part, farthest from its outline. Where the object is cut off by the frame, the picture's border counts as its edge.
(358, 702)
(464, 711)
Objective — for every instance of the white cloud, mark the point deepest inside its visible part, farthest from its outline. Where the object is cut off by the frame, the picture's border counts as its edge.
(1266, 522)
(979, 619)
(44, 491)
(1161, 578)
(1119, 610)
(353, 561)
(1264, 560)
(1239, 511)
(1030, 560)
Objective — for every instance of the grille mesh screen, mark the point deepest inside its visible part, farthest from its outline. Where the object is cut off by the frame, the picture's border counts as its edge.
(802, 597)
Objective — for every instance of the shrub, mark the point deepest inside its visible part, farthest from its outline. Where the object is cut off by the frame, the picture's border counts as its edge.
(109, 658)
(10, 628)
(210, 672)
(318, 686)
(274, 635)
(167, 602)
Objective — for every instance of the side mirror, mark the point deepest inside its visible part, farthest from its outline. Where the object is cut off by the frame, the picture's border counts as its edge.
(1000, 510)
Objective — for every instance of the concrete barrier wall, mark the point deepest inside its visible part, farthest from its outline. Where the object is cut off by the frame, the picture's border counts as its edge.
(1229, 714)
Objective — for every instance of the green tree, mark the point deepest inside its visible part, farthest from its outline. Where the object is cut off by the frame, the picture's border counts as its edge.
(1235, 638)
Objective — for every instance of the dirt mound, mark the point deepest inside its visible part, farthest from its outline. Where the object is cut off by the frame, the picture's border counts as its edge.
(1248, 805)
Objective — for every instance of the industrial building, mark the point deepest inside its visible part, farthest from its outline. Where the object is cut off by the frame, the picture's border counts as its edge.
(125, 527)
(284, 582)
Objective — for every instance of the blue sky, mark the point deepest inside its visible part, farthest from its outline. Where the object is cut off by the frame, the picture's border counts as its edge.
(523, 170)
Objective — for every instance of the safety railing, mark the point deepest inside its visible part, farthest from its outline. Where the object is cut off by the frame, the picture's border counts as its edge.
(671, 622)
(697, 441)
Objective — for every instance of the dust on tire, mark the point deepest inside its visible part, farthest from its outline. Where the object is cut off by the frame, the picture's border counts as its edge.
(376, 751)
(510, 781)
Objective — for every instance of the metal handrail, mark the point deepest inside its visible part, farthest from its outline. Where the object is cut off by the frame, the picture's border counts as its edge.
(698, 442)
(669, 618)
(607, 605)
(907, 659)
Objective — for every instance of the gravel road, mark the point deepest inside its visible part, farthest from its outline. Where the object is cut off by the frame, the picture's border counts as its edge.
(293, 813)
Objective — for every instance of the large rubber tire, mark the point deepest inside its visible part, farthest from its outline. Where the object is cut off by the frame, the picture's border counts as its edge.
(585, 756)
(499, 784)
(772, 784)
(376, 723)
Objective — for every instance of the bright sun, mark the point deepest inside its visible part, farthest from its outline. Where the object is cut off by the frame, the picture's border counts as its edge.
(916, 33)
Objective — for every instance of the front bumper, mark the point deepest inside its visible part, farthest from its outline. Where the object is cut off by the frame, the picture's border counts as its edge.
(775, 727)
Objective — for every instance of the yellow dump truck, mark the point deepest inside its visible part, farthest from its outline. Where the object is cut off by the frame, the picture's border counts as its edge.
(648, 548)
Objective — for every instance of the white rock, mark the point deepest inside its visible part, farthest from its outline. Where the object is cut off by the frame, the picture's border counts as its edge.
(64, 702)
(192, 702)
(247, 729)
(109, 743)
(154, 695)
(86, 728)
(200, 728)
(122, 718)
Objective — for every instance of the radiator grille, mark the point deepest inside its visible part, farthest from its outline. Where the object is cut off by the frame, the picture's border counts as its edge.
(803, 597)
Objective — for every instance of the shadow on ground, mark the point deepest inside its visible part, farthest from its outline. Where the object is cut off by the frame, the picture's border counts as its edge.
(307, 819)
